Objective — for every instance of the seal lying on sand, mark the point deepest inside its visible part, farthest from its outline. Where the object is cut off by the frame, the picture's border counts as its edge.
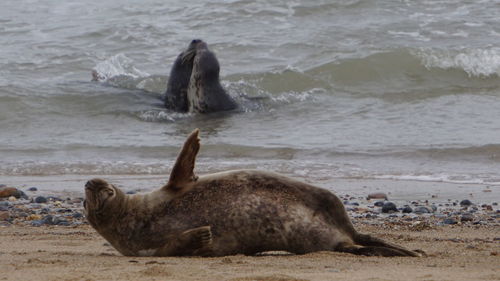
(234, 212)
(193, 85)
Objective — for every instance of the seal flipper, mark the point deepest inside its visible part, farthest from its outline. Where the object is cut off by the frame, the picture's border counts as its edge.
(192, 242)
(374, 251)
(183, 171)
(374, 242)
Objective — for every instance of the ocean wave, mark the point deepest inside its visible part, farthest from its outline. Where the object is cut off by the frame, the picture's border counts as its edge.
(475, 62)
(115, 66)
(309, 170)
(447, 178)
(413, 72)
(253, 92)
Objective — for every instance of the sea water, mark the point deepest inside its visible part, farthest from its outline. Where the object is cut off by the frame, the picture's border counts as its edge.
(327, 89)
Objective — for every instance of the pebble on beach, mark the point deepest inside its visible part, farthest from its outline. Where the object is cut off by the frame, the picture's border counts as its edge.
(7, 192)
(40, 199)
(467, 217)
(4, 215)
(407, 209)
(422, 210)
(450, 221)
(377, 195)
(465, 203)
(389, 207)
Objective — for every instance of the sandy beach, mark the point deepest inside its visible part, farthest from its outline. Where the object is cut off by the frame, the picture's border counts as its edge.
(460, 242)
(79, 253)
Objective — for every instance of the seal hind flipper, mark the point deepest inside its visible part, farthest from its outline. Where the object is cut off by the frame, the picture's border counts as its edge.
(374, 251)
(370, 241)
(183, 171)
(192, 242)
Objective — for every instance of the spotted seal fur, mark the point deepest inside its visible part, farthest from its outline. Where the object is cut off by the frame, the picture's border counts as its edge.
(227, 213)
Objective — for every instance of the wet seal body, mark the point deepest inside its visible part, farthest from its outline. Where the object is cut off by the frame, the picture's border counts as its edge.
(193, 84)
(233, 212)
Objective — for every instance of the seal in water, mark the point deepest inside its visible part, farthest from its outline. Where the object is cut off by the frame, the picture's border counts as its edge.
(193, 85)
(227, 213)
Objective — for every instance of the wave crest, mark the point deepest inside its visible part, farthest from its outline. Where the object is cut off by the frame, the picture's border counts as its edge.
(475, 62)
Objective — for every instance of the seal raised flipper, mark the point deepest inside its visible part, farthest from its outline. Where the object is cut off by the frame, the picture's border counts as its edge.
(183, 171)
(192, 242)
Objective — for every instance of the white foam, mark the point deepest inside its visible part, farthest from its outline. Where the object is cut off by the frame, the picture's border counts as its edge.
(461, 179)
(475, 62)
(118, 65)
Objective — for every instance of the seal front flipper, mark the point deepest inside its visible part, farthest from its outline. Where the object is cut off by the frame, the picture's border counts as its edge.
(183, 171)
(192, 242)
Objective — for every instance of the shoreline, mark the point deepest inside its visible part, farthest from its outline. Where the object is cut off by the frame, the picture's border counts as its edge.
(398, 190)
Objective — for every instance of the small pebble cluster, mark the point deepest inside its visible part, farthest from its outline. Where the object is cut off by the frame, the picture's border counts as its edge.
(376, 209)
(16, 207)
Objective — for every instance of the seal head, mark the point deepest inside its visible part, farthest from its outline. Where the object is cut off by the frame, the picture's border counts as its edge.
(193, 85)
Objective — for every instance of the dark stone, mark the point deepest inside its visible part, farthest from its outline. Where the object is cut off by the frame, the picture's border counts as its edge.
(467, 217)
(60, 221)
(33, 189)
(3, 208)
(40, 199)
(389, 207)
(407, 209)
(77, 215)
(433, 208)
(494, 204)
(22, 215)
(379, 203)
(351, 203)
(131, 192)
(64, 210)
(5, 203)
(450, 221)
(465, 203)
(48, 220)
(22, 195)
(422, 210)
(37, 223)
(44, 211)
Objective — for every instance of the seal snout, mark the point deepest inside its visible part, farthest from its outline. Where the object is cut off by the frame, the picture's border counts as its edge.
(94, 183)
(198, 44)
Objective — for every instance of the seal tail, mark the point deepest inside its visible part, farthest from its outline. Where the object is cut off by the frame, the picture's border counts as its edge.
(376, 246)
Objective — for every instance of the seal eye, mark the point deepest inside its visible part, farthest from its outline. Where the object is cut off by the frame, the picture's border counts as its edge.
(195, 41)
